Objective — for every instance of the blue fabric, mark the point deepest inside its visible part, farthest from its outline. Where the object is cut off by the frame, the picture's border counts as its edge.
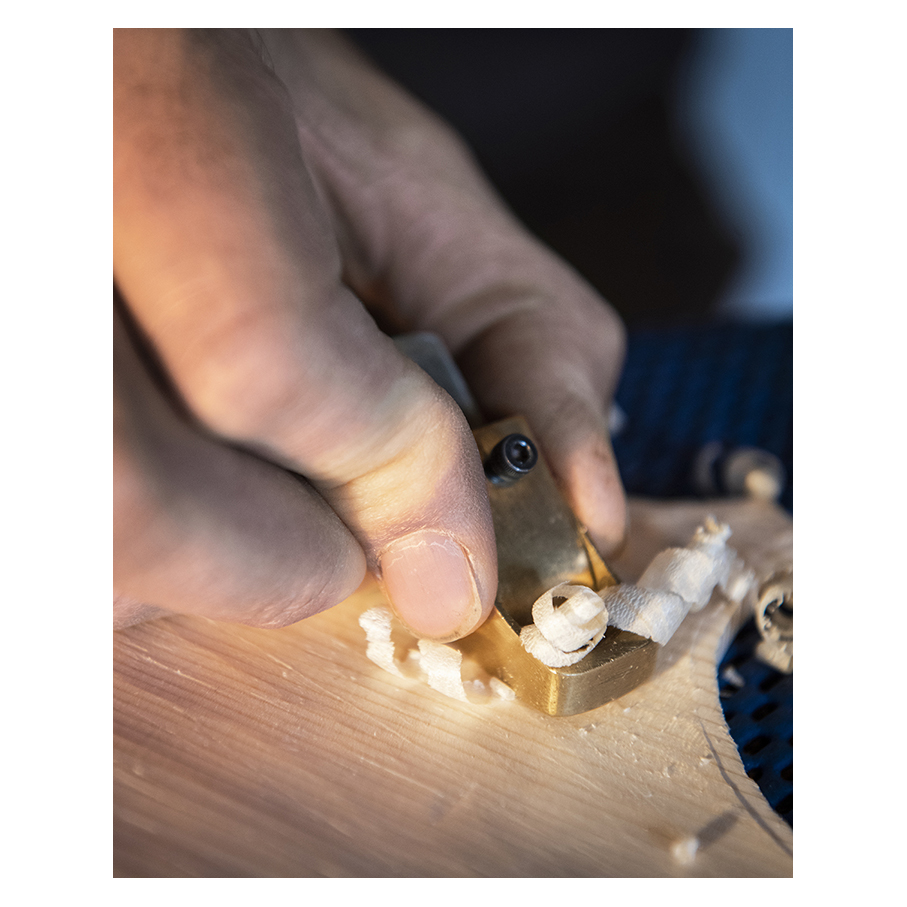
(683, 388)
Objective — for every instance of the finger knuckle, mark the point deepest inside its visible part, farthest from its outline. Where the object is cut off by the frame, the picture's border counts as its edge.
(246, 387)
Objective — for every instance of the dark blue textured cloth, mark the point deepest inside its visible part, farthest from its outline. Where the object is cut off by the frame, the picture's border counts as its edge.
(683, 388)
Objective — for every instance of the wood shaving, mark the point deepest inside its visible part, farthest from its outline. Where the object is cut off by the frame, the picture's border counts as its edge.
(568, 622)
(439, 665)
(683, 850)
(379, 648)
(677, 581)
(442, 666)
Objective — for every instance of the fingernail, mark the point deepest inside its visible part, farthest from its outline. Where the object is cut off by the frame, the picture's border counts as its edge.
(431, 585)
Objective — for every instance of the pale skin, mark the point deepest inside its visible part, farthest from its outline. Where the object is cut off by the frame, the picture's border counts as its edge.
(272, 193)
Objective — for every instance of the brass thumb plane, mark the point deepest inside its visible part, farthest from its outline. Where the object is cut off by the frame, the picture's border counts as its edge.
(540, 544)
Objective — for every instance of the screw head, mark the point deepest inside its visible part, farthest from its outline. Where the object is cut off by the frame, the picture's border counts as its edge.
(510, 459)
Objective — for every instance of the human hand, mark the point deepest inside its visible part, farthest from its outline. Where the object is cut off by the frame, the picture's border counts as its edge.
(257, 206)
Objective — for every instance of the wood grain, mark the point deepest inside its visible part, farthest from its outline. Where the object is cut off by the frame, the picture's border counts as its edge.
(246, 752)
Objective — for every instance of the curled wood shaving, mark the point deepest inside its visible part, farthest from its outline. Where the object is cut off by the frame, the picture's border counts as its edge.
(677, 581)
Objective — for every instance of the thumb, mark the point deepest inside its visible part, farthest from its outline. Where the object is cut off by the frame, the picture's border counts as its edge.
(303, 378)
(324, 393)
(319, 390)
(412, 490)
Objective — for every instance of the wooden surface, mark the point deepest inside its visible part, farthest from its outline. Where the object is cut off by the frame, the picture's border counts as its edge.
(245, 752)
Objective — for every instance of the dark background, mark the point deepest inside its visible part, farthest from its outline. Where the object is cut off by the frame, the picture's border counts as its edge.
(577, 128)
